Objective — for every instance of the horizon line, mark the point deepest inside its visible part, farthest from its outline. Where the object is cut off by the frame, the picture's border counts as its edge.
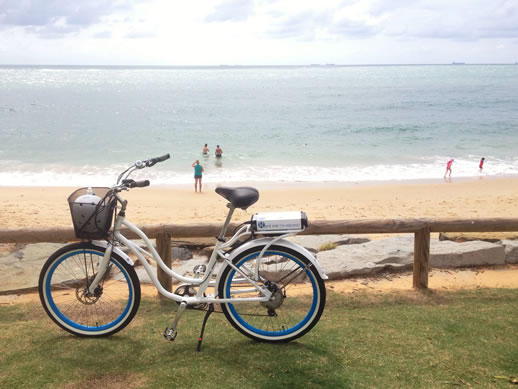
(252, 66)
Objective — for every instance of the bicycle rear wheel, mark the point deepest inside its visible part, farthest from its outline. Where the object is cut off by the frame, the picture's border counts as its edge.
(298, 300)
(63, 289)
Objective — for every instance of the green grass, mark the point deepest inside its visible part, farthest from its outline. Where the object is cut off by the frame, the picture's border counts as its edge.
(416, 339)
(327, 246)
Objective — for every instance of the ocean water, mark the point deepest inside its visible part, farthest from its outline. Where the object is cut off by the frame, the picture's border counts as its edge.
(81, 126)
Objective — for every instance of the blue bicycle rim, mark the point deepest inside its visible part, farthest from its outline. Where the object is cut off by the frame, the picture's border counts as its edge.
(66, 319)
(288, 331)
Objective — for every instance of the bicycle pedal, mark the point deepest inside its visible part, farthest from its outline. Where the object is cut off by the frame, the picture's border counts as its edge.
(170, 334)
(199, 270)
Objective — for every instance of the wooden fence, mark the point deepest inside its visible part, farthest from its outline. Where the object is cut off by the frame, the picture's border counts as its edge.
(421, 228)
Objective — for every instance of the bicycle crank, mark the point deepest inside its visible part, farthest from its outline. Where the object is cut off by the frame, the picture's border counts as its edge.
(188, 290)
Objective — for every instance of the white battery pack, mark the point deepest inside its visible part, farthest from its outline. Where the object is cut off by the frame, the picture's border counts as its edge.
(278, 222)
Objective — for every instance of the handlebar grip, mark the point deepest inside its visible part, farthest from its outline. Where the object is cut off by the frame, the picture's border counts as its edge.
(163, 157)
(153, 161)
(129, 183)
(140, 184)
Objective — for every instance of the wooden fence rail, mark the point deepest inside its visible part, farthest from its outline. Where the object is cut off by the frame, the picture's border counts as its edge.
(421, 227)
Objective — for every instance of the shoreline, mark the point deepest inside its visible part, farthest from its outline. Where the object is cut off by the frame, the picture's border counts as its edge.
(300, 184)
(23, 207)
(267, 185)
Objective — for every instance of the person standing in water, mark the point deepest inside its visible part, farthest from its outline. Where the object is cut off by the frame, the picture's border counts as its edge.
(218, 152)
(205, 150)
(448, 168)
(198, 170)
(481, 164)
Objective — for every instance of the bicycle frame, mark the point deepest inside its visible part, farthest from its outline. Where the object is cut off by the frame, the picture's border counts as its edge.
(202, 283)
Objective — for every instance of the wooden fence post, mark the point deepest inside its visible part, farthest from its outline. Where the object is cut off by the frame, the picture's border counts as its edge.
(163, 246)
(421, 258)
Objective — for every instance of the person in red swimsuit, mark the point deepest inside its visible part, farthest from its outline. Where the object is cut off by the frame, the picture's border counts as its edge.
(448, 168)
(481, 164)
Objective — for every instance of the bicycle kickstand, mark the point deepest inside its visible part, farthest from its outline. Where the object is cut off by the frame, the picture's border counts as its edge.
(200, 339)
(171, 332)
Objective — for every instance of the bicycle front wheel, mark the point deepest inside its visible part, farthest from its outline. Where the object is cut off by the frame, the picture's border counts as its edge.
(298, 294)
(63, 289)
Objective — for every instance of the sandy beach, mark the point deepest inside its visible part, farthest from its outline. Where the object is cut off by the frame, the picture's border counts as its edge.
(23, 207)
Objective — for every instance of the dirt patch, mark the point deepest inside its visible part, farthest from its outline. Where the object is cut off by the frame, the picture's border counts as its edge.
(110, 381)
(439, 279)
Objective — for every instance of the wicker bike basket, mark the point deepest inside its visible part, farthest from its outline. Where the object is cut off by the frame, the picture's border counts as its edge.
(92, 212)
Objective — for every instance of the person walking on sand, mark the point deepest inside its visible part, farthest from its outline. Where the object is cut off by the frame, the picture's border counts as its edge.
(198, 170)
(218, 152)
(448, 168)
(205, 150)
(481, 164)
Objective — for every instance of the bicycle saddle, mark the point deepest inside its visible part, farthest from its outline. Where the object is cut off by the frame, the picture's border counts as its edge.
(240, 197)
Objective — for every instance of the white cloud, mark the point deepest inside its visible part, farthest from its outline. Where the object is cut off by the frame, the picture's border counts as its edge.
(58, 16)
(205, 32)
(231, 10)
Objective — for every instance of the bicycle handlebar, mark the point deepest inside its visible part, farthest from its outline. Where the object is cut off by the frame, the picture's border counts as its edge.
(141, 165)
(153, 161)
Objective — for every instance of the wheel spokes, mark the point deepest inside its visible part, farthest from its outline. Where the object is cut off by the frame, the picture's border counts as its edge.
(68, 291)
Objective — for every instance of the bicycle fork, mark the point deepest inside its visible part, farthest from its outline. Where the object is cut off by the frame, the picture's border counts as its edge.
(103, 266)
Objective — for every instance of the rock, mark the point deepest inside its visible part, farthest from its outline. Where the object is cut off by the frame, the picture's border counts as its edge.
(142, 274)
(368, 258)
(194, 244)
(20, 266)
(207, 252)
(398, 253)
(11, 251)
(451, 254)
(353, 240)
(313, 242)
(511, 250)
(181, 253)
(20, 269)
(139, 242)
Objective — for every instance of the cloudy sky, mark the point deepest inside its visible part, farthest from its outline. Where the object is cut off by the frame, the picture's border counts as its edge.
(257, 32)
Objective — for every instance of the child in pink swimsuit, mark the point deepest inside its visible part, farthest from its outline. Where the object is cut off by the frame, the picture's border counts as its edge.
(448, 168)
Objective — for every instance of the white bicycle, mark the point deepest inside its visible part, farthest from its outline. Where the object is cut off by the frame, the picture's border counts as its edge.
(269, 288)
